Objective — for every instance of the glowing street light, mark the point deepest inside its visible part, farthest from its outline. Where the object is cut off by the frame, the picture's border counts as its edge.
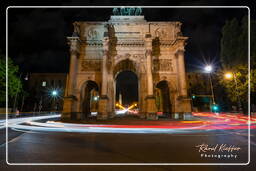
(54, 93)
(96, 98)
(215, 108)
(208, 68)
(229, 76)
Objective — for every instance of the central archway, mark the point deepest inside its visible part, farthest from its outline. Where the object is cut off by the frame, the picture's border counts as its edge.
(126, 85)
(127, 88)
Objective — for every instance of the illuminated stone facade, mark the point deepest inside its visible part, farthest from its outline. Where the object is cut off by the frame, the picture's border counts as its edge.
(154, 51)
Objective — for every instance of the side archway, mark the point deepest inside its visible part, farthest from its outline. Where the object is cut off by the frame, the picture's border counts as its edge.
(163, 101)
(89, 98)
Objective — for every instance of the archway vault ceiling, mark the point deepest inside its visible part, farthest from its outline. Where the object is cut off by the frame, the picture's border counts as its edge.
(91, 85)
(125, 65)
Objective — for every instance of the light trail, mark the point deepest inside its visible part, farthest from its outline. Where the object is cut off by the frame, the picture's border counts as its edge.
(202, 122)
(17, 121)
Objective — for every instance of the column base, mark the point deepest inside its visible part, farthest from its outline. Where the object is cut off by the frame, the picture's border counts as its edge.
(103, 102)
(111, 115)
(102, 117)
(184, 104)
(151, 108)
(152, 116)
(182, 115)
(142, 115)
(68, 112)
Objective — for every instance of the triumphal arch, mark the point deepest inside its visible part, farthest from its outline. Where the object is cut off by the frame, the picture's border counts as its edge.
(99, 51)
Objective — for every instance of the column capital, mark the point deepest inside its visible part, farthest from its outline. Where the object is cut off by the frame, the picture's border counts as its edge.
(148, 36)
(74, 45)
(148, 41)
(105, 44)
(179, 52)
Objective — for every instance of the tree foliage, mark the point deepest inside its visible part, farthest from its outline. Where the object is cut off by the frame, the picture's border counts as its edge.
(237, 86)
(234, 43)
(14, 83)
(234, 58)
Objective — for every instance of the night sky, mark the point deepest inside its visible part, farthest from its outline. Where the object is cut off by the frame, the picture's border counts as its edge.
(37, 37)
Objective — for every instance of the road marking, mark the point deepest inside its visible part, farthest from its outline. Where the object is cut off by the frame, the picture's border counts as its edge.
(20, 130)
(12, 140)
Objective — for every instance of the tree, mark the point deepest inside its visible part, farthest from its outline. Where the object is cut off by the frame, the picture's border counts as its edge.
(14, 83)
(234, 58)
(229, 43)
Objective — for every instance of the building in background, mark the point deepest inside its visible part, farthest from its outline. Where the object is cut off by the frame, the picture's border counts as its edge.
(199, 90)
(46, 91)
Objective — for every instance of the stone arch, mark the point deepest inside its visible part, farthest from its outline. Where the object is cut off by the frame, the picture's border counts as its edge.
(126, 64)
(89, 91)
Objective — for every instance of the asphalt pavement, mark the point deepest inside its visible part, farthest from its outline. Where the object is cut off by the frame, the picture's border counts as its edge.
(42, 147)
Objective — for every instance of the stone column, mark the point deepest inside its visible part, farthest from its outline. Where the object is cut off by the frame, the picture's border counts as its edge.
(70, 98)
(150, 99)
(103, 102)
(181, 73)
(184, 108)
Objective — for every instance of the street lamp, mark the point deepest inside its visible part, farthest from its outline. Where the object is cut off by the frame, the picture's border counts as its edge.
(54, 93)
(229, 76)
(208, 69)
(96, 98)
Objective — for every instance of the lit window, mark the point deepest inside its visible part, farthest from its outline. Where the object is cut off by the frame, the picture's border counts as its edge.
(44, 83)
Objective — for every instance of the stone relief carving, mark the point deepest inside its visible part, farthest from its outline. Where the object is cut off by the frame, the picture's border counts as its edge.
(162, 65)
(135, 57)
(91, 65)
(127, 55)
(161, 33)
(74, 44)
(92, 34)
(178, 29)
(139, 57)
(77, 28)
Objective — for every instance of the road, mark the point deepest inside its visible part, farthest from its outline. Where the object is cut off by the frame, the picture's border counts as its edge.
(35, 146)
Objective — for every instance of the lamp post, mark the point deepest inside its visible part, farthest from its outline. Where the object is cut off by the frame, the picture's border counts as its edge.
(208, 69)
(229, 76)
(16, 94)
(54, 94)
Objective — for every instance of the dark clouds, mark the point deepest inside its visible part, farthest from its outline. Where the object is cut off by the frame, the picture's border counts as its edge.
(37, 37)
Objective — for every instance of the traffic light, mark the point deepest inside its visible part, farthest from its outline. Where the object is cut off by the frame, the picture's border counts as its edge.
(193, 97)
(215, 108)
